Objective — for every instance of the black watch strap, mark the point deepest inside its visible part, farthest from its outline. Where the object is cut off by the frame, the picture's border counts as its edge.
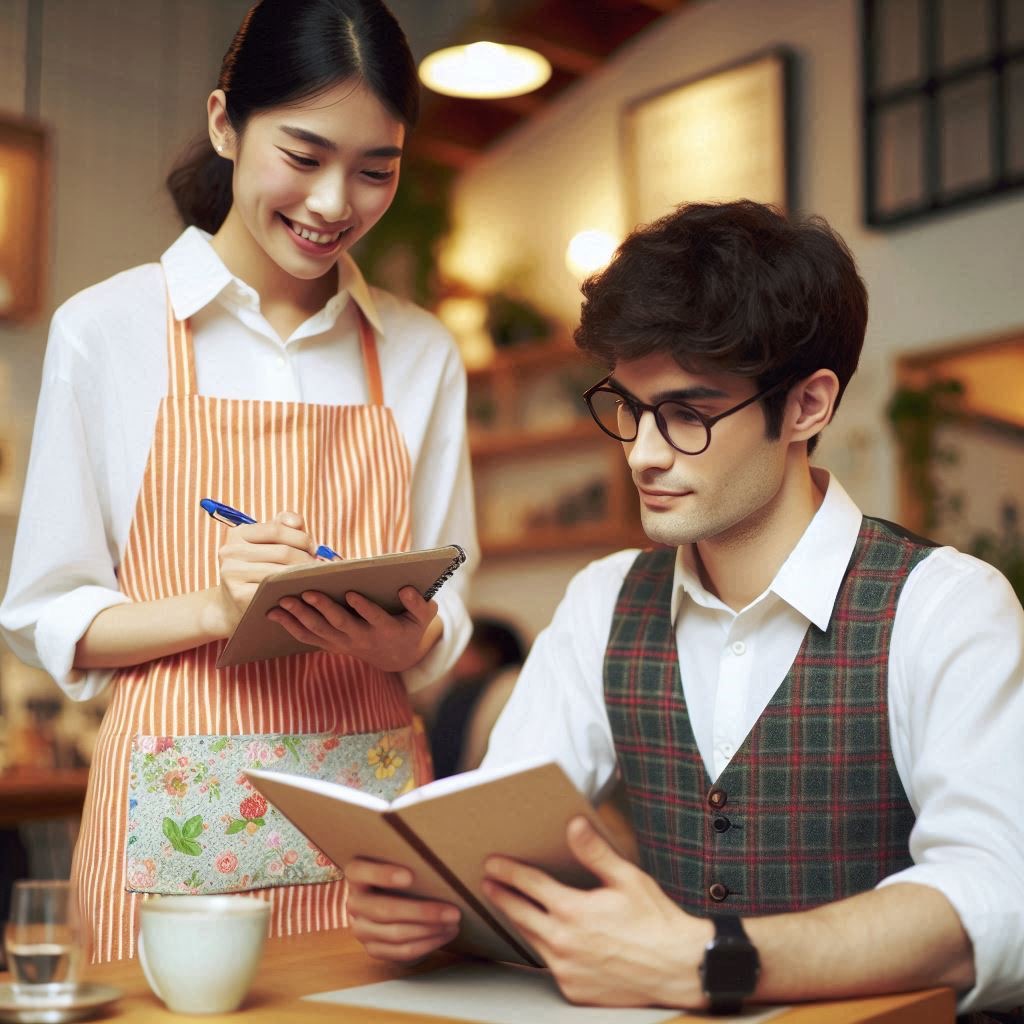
(730, 967)
(729, 924)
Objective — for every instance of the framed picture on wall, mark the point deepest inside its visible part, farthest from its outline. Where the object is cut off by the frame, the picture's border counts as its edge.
(24, 207)
(726, 135)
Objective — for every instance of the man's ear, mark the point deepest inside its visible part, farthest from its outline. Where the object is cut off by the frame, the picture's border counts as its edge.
(222, 135)
(810, 405)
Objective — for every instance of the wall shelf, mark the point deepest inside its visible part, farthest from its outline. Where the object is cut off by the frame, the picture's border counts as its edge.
(547, 479)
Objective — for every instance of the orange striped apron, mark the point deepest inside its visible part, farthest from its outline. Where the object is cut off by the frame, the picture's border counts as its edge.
(346, 469)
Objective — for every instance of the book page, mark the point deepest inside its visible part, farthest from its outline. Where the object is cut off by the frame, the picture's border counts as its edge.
(321, 787)
(466, 780)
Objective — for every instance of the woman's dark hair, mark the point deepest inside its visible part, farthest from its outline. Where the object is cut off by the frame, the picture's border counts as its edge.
(735, 287)
(286, 51)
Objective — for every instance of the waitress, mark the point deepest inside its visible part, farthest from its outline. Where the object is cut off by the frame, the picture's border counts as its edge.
(252, 365)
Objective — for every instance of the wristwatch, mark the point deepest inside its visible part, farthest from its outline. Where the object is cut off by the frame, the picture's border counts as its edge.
(728, 973)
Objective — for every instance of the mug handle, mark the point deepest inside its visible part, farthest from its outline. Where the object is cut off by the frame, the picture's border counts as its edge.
(146, 971)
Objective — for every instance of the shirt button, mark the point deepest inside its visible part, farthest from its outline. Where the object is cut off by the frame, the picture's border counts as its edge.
(726, 750)
(717, 798)
(718, 892)
(739, 648)
(281, 362)
(720, 823)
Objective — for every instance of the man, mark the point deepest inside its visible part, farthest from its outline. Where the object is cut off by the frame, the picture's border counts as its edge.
(817, 716)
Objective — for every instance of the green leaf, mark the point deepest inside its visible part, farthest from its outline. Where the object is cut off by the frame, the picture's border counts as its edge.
(193, 828)
(172, 831)
(259, 821)
(219, 745)
(292, 744)
(236, 826)
(180, 842)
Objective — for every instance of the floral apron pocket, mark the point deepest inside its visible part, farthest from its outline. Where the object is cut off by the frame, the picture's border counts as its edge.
(196, 825)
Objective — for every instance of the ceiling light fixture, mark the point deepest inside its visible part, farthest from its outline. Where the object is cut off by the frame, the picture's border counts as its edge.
(487, 64)
(484, 70)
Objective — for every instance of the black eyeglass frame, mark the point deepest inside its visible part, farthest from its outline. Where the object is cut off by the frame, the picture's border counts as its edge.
(639, 408)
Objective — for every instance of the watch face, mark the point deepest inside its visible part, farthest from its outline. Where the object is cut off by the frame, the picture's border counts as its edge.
(730, 965)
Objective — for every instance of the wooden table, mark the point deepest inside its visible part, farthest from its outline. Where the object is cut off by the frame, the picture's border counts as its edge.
(29, 794)
(305, 964)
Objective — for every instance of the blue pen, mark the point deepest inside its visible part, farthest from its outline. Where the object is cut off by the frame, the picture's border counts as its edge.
(232, 517)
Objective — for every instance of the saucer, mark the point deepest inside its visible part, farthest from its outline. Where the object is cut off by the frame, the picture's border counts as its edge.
(78, 1002)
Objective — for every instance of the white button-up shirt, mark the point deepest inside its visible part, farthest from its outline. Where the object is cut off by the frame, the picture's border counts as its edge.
(955, 697)
(104, 375)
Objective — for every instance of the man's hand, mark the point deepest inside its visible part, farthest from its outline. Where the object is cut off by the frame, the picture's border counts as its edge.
(391, 643)
(401, 929)
(624, 943)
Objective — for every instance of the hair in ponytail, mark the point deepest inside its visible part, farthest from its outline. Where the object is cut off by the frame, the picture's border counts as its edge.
(285, 51)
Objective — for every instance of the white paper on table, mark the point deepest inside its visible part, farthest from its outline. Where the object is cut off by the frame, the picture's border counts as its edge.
(491, 993)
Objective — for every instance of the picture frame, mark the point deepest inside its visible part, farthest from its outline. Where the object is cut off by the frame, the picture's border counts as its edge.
(24, 217)
(722, 136)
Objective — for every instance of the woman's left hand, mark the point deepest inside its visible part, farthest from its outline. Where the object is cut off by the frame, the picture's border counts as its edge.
(364, 630)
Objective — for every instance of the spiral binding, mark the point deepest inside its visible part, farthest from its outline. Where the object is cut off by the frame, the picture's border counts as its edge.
(447, 574)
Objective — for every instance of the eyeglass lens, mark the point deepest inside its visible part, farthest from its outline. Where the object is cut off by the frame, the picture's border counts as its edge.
(680, 423)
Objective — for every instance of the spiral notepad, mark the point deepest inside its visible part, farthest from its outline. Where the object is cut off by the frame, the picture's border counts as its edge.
(378, 578)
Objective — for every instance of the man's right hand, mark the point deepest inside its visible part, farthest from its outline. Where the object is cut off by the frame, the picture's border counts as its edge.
(392, 926)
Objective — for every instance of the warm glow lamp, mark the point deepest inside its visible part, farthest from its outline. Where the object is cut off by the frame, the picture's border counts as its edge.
(590, 251)
(484, 70)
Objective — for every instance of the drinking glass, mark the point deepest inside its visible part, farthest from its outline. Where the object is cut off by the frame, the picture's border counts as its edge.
(42, 939)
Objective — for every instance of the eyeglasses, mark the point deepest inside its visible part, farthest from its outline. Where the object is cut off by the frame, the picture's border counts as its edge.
(687, 429)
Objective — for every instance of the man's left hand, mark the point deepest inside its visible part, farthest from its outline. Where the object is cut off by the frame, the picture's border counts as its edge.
(624, 943)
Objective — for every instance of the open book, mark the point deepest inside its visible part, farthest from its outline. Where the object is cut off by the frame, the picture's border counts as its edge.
(444, 831)
(378, 578)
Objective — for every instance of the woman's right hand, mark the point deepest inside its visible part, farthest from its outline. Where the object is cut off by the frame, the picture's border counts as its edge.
(249, 553)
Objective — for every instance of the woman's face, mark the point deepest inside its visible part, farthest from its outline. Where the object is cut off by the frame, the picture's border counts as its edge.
(312, 178)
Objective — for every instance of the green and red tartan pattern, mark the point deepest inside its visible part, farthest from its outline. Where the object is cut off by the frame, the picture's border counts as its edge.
(814, 808)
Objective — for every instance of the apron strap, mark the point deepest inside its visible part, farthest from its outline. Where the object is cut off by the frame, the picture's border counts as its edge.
(181, 365)
(371, 362)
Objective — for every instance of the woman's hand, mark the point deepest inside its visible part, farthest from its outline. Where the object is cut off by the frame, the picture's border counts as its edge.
(250, 553)
(363, 630)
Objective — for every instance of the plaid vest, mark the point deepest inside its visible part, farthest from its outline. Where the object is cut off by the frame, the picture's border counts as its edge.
(811, 808)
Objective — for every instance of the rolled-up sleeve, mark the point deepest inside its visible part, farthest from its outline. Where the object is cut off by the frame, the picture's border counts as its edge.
(62, 569)
(957, 701)
(557, 705)
(443, 513)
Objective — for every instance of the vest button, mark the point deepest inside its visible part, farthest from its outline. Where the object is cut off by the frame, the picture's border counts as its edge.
(718, 892)
(717, 798)
(720, 823)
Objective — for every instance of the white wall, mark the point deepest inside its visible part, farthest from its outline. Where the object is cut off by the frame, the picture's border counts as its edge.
(122, 84)
(957, 275)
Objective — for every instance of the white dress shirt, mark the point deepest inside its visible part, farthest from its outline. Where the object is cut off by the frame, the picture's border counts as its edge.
(104, 375)
(956, 707)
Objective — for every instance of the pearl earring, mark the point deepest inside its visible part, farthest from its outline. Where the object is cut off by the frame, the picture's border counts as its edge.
(220, 147)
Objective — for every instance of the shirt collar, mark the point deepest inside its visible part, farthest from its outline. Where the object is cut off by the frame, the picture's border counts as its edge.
(810, 578)
(196, 275)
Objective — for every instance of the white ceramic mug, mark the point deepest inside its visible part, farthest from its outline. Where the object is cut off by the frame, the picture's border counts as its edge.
(200, 953)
